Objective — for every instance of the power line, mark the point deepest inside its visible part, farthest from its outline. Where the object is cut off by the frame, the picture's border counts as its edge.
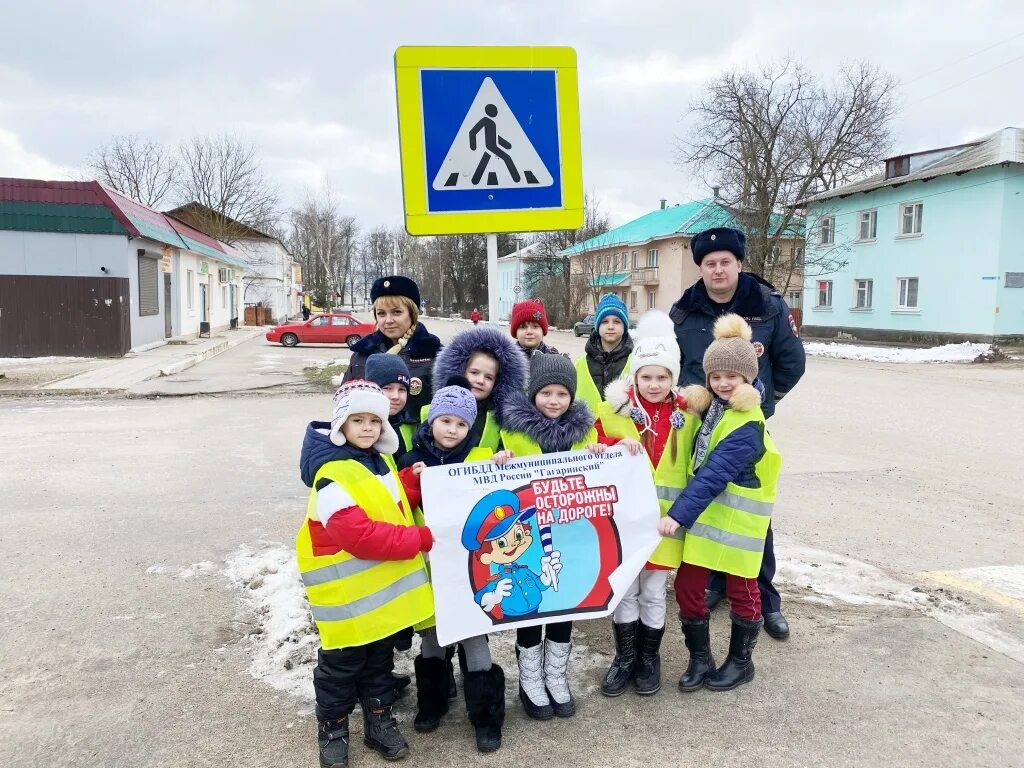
(966, 80)
(964, 58)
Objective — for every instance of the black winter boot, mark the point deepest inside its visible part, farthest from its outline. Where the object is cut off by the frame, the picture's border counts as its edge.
(485, 703)
(621, 671)
(400, 683)
(648, 659)
(380, 730)
(739, 667)
(333, 738)
(697, 636)
(431, 693)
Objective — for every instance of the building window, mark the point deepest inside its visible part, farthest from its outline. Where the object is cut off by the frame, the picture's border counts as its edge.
(190, 288)
(828, 230)
(897, 166)
(799, 257)
(824, 293)
(867, 226)
(795, 298)
(650, 298)
(652, 257)
(632, 295)
(149, 293)
(773, 257)
(636, 259)
(910, 218)
(862, 294)
(907, 293)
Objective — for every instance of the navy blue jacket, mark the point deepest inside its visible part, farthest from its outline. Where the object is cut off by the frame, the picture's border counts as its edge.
(782, 361)
(418, 355)
(732, 461)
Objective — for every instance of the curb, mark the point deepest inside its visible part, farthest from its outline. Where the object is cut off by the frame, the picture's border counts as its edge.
(198, 357)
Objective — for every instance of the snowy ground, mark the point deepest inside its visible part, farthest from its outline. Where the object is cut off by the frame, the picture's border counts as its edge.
(14, 362)
(947, 353)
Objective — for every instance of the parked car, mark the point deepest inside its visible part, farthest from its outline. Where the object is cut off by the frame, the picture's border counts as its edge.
(328, 328)
(584, 327)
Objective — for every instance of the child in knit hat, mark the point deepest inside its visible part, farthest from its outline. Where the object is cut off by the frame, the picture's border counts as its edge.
(607, 351)
(359, 538)
(725, 509)
(445, 439)
(547, 418)
(645, 411)
(529, 326)
(391, 374)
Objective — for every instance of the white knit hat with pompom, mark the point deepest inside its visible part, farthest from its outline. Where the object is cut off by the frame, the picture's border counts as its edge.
(654, 343)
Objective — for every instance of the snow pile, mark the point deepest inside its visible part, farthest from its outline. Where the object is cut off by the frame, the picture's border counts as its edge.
(284, 642)
(16, 362)
(319, 365)
(204, 568)
(948, 353)
(836, 578)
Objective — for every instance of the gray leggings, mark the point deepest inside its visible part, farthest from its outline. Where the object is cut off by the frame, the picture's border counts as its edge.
(478, 652)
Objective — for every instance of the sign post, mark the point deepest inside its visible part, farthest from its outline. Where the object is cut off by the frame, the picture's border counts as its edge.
(490, 142)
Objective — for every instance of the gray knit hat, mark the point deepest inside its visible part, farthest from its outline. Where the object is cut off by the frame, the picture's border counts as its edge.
(456, 399)
(731, 350)
(551, 369)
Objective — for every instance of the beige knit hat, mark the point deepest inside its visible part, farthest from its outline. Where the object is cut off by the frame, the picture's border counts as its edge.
(731, 350)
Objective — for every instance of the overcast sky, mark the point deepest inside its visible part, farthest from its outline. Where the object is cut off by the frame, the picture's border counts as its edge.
(312, 83)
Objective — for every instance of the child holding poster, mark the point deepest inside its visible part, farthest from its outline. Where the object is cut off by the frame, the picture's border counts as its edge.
(359, 539)
(646, 412)
(547, 419)
(725, 508)
(445, 439)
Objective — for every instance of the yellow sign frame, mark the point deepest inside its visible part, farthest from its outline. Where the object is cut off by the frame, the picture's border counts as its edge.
(409, 61)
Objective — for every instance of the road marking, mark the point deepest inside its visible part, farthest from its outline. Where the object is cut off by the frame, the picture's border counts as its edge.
(1003, 585)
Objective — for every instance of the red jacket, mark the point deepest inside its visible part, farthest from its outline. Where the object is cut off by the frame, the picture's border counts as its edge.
(350, 529)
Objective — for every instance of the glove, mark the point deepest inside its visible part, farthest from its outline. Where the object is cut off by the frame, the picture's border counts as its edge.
(492, 599)
(550, 565)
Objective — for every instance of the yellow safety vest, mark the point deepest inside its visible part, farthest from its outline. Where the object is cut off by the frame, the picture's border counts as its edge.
(521, 445)
(491, 434)
(669, 476)
(476, 454)
(355, 602)
(586, 387)
(405, 434)
(729, 535)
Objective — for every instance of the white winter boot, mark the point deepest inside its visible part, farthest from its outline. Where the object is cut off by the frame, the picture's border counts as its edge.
(532, 693)
(556, 678)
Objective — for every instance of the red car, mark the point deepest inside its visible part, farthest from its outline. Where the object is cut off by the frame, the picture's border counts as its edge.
(330, 328)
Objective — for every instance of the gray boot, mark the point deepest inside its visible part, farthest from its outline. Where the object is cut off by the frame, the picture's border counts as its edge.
(532, 693)
(556, 677)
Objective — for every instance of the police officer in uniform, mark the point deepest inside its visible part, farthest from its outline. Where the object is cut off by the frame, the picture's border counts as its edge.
(724, 287)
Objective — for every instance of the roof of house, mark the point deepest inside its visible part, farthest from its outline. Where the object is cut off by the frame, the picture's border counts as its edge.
(682, 219)
(195, 213)
(1003, 146)
(88, 207)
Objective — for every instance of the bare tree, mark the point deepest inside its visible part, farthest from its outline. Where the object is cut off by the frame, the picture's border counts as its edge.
(323, 242)
(224, 174)
(549, 276)
(771, 138)
(142, 169)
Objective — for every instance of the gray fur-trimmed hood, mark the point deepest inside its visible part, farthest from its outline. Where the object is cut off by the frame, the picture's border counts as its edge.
(553, 435)
(512, 363)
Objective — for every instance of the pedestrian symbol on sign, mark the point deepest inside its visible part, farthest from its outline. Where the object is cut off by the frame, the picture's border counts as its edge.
(490, 149)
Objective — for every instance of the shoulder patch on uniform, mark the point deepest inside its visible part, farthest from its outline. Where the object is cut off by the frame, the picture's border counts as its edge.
(792, 326)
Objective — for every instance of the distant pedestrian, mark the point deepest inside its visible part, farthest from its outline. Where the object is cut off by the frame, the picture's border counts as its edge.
(475, 316)
(723, 288)
(305, 312)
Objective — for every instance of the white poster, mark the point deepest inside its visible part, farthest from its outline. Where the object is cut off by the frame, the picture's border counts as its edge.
(545, 538)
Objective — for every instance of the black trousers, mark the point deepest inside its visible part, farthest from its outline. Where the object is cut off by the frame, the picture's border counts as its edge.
(771, 602)
(345, 676)
(559, 632)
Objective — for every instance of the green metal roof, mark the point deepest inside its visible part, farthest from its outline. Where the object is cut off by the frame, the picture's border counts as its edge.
(683, 219)
(609, 280)
(54, 217)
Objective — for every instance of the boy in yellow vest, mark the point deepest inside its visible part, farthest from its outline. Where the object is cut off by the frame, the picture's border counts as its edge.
(391, 374)
(445, 438)
(725, 509)
(360, 556)
(646, 412)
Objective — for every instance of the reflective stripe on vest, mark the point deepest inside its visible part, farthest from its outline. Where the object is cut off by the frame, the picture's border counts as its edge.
(353, 601)
(729, 535)
(669, 476)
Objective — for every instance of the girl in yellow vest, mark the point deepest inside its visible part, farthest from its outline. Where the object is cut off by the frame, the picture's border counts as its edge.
(445, 439)
(547, 419)
(646, 412)
(360, 556)
(725, 509)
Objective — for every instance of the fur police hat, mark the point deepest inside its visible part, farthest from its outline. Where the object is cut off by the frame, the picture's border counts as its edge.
(718, 239)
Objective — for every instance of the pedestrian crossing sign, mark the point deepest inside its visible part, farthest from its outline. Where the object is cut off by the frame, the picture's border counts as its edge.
(490, 139)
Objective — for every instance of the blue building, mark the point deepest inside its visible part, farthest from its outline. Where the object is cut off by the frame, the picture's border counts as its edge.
(511, 274)
(931, 249)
